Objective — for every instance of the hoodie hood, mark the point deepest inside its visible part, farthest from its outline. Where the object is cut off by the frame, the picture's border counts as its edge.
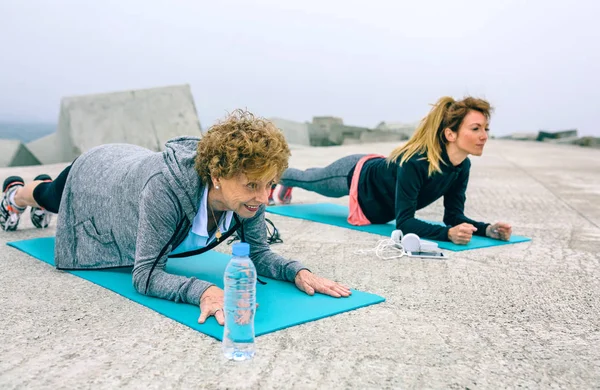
(179, 170)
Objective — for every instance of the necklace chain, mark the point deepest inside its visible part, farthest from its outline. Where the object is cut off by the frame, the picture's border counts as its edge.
(218, 232)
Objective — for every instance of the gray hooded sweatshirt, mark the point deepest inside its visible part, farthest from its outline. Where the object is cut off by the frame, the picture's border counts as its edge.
(124, 205)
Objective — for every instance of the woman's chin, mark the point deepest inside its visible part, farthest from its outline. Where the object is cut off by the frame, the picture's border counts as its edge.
(477, 151)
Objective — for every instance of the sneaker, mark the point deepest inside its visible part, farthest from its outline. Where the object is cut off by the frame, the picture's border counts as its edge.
(271, 199)
(10, 214)
(40, 218)
(285, 194)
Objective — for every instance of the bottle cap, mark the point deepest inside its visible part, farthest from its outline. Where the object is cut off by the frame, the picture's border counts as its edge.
(241, 249)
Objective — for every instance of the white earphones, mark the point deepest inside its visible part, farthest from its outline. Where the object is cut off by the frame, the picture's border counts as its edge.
(384, 247)
(411, 243)
(401, 245)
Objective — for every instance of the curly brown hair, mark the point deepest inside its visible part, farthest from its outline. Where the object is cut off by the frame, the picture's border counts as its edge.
(242, 143)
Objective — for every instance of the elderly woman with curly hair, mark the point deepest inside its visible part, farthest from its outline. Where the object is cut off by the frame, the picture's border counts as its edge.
(122, 205)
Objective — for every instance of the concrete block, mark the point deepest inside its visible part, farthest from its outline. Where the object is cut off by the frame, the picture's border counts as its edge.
(14, 153)
(147, 118)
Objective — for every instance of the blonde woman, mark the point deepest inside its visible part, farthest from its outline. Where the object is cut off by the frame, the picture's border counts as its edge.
(122, 205)
(432, 164)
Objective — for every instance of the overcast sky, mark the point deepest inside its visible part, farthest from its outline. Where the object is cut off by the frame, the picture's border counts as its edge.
(537, 62)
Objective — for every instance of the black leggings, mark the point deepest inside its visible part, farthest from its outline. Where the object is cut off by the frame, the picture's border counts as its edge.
(48, 194)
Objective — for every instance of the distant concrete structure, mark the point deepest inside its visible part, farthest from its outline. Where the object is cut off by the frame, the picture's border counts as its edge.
(562, 136)
(320, 129)
(147, 118)
(592, 142)
(47, 149)
(520, 136)
(296, 133)
(14, 153)
(567, 137)
(338, 133)
(405, 129)
(331, 130)
(324, 123)
(372, 136)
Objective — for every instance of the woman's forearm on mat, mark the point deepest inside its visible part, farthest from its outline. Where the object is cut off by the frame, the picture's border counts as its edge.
(168, 286)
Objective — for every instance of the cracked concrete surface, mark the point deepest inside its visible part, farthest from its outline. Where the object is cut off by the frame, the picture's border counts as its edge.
(524, 315)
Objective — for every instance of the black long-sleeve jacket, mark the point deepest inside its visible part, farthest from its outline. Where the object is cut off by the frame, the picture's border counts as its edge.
(389, 192)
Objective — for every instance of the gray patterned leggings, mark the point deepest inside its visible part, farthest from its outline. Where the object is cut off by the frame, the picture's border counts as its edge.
(331, 181)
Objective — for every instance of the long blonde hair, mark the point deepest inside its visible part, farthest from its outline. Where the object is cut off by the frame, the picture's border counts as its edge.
(429, 135)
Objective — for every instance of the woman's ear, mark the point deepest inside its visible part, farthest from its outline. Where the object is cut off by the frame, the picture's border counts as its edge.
(215, 182)
(449, 134)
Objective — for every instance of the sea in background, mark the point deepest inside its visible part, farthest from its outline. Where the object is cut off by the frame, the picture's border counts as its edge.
(25, 131)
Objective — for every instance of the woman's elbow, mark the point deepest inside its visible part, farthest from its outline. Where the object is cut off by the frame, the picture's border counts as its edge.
(140, 280)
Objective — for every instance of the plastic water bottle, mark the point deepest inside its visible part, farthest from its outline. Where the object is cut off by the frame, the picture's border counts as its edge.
(240, 304)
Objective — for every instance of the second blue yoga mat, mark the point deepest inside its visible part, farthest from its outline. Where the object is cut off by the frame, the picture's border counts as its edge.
(337, 215)
(282, 305)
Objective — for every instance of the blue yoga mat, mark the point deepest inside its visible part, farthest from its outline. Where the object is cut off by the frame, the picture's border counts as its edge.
(337, 215)
(282, 305)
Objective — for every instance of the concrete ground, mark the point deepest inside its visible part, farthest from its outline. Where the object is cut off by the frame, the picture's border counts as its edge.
(524, 315)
